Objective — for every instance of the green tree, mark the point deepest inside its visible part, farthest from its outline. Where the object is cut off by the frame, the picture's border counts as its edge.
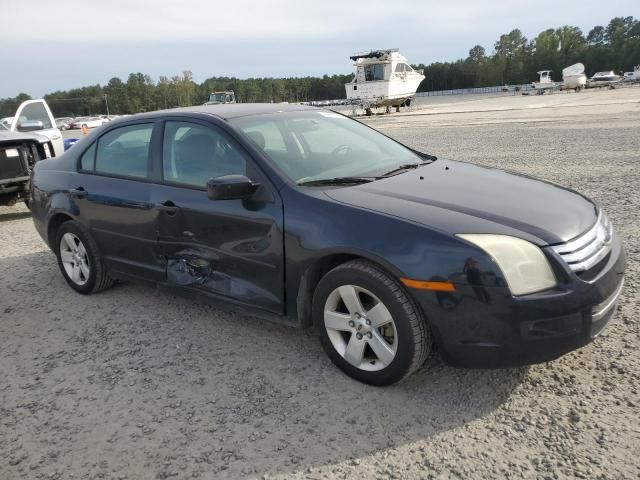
(477, 54)
(596, 35)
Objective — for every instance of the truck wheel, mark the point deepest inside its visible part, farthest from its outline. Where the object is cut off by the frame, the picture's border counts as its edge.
(370, 328)
(79, 260)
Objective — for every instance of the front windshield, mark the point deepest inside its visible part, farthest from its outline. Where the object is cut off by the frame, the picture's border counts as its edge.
(3, 126)
(316, 145)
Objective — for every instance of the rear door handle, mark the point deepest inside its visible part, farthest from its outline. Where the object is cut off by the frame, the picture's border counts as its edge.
(78, 192)
(168, 207)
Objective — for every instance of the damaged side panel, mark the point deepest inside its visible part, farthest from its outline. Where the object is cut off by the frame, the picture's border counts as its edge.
(190, 268)
(229, 248)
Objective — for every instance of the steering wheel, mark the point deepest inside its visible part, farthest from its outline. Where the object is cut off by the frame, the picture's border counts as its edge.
(345, 149)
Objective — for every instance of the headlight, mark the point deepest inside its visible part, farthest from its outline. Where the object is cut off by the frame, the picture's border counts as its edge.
(524, 266)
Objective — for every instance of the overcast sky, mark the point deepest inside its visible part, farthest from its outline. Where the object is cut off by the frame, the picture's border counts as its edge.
(51, 45)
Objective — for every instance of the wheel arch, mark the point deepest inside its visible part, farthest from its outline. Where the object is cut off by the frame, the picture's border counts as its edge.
(318, 268)
(54, 224)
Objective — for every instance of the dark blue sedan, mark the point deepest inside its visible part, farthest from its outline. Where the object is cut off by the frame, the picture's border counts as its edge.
(312, 218)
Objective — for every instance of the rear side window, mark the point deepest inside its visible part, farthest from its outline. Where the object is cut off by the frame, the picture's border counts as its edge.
(87, 161)
(125, 151)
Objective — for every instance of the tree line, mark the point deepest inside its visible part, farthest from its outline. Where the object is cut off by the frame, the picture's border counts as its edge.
(514, 60)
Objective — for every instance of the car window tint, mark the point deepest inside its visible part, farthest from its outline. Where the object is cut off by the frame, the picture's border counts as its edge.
(88, 158)
(193, 154)
(35, 112)
(125, 151)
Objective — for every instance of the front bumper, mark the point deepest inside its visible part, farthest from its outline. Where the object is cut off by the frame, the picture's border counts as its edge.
(486, 327)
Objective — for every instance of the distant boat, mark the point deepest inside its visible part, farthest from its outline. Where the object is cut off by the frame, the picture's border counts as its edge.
(608, 76)
(604, 79)
(383, 78)
(633, 76)
(573, 77)
(545, 82)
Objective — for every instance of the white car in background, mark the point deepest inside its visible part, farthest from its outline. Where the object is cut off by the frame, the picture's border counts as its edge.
(89, 122)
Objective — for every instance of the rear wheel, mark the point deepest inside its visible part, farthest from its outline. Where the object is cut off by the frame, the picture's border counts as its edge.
(79, 260)
(370, 328)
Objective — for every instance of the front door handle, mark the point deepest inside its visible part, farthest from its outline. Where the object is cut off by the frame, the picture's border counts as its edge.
(78, 192)
(168, 207)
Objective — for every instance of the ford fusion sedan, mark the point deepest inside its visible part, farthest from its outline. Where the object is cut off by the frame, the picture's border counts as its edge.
(314, 219)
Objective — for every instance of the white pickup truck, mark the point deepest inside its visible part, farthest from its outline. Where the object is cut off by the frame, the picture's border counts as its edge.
(31, 136)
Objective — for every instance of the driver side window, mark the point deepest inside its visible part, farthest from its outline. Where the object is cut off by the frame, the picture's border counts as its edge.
(193, 154)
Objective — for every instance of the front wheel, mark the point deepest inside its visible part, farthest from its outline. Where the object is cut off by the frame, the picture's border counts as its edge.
(370, 328)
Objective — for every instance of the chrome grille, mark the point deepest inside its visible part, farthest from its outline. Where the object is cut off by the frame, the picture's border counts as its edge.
(588, 249)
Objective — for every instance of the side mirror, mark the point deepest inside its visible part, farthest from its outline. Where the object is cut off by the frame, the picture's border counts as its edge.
(230, 187)
(30, 126)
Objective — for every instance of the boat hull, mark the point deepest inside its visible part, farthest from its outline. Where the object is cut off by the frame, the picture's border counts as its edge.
(384, 92)
(574, 81)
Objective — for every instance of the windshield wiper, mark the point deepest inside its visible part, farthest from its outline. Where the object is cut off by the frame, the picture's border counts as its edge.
(404, 168)
(338, 181)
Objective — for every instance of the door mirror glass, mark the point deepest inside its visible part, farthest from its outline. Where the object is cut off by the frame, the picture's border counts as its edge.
(30, 126)
(230, 187)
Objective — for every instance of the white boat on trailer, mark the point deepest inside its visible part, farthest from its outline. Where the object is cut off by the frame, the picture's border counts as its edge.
(383, 78)
(604, 79)
(573, 78)
(632, 76)
(544, 83)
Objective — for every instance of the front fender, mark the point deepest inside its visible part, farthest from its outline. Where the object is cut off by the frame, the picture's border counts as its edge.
(405, 249)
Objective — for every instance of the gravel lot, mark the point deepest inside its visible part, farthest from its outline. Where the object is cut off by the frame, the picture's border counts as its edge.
(136, 383)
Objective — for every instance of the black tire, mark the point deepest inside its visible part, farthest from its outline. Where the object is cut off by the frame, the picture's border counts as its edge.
(414, 340)
(99, 279)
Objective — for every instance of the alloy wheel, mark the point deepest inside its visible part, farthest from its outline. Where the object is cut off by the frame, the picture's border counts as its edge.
(360, 328)
(74, 259)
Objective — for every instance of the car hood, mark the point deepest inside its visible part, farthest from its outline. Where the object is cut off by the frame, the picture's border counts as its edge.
(9, 136)
(457, 197)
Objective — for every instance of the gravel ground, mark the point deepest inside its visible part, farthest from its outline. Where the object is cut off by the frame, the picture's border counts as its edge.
(136, 383)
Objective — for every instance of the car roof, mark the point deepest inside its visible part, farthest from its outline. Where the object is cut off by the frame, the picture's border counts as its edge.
(233, 110)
